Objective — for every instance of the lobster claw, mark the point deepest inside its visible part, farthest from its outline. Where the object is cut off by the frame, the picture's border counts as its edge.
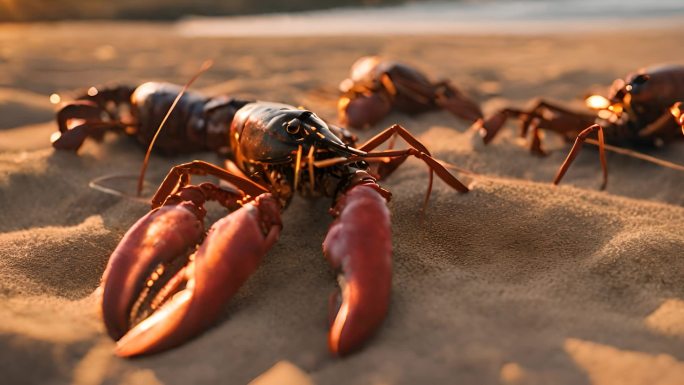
(364, 109)
(146, 316)
(70, 140)
(359, 246)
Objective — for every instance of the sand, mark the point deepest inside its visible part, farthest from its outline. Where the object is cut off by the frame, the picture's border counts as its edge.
(517, 282)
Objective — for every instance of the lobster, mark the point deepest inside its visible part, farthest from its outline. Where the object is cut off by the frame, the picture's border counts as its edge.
(376, 86)
(199, 123)
(636, 113)
(168, 279)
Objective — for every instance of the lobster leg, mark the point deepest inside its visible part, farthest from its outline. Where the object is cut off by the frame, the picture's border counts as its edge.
(577, 146)
(359, 247)
(417, 149)
(535, 142)
(384, 169)
(179, 176)
(561, 120)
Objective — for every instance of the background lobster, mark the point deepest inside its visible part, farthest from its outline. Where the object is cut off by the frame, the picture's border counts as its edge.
(635, 113)
(197, 123)
(159, 289)
(376, 86)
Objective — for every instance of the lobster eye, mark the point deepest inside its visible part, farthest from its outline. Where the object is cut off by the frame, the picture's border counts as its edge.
(636, 85)
(292, 127)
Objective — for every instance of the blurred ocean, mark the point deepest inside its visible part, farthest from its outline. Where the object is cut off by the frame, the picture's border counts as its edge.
(476, 17)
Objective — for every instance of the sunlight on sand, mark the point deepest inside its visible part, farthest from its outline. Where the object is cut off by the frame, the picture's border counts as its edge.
(283, 373)
(668, 318)
(607, 365)
(512, 373)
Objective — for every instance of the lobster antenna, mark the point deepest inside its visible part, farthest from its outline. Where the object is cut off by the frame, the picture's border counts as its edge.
(638, 155)
(205, 66)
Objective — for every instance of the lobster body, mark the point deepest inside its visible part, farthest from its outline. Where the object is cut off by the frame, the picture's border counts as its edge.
(638, 111)
(375, 86)
(166, 282)
(652, 92)
(635, 113)
(197, 123)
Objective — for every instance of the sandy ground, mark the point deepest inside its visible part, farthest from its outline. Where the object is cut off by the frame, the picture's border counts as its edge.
(517, 282)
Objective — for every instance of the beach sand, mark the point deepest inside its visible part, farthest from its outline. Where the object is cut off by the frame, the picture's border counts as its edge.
(516, 282)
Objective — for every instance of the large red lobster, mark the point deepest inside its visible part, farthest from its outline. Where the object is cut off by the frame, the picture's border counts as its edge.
(168, 279)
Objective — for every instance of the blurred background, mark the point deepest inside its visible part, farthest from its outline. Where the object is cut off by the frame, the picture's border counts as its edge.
(32, 10)
(50, 10)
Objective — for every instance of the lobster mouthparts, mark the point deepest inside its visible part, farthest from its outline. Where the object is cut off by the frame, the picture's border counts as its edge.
(159, 289)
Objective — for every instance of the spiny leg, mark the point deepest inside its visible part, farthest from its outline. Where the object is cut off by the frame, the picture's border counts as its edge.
(563, 120)
(179, 176)
(540, 106)
(577, 146)
(535, 141)
(418, 150)
(490, 127)
(434, 165)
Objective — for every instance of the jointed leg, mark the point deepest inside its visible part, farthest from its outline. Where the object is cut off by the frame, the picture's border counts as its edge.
(384, 168)
(535, 142)
(179, 176)
(417, 149)
(562, 120)
(576, 149)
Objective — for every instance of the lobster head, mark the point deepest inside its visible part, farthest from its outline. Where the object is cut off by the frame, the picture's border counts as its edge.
(623, 100)
(274, 133)
(363, 102)
(631, 90)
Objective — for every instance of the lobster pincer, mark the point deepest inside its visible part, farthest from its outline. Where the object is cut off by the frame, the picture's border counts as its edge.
(153, 301)
(359, 247)
(167, 281)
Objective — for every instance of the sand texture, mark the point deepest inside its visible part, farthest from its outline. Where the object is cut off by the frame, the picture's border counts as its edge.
(516, 282)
